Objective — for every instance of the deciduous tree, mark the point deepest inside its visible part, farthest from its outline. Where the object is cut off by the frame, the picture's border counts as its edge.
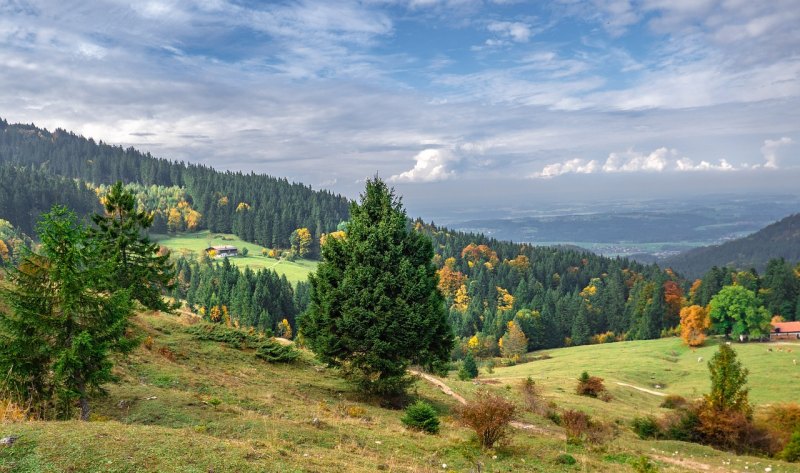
(694, 323)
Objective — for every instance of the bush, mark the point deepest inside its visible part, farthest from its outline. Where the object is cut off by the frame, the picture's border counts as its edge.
(646, 427)
(674, 401)
(530, 395)
(791, 452)
(245, 251)
(274, 352)
(566, 459)
(591, 386)
(421, 416)
(469, 370)
(784, 419)
(579, 426)
(644, 465)
(489, 416)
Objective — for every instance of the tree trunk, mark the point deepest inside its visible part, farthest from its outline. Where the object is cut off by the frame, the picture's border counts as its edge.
(84, 400)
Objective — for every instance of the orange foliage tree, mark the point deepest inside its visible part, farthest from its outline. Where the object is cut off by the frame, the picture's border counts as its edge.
(450, 280)
(694, 323)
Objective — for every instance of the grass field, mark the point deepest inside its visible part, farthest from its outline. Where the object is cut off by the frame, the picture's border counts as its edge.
(196, 242)
(196, 406)
(666, 363)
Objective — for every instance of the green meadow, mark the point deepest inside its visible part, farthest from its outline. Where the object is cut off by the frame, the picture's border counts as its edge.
(197, 242)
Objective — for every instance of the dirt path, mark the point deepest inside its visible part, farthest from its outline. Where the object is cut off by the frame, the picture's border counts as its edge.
(644, 390)
(449, 391)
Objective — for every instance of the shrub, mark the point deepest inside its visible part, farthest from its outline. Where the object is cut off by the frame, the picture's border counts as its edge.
(530, 395)
(245, 251)
(489, 416)
(791, 452)
(576, 423)
(566, 459)
(674, 401)
(148, 342)
(644, 465)
(646, 427)
(469, 370)
(274, 352)
(784, 419)
(421, 416)
(591, 386)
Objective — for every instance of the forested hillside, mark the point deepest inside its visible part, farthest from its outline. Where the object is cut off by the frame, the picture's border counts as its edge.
(497, 293)
(779, 240)
(256, 207)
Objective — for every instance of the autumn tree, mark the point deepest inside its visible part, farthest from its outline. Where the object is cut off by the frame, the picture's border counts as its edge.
(136, 262)
(461, 299)
(736, 311)
(301, 241)
(514, 342)
(375, 308)
(729, 390)
(694, 323)
(62, 325)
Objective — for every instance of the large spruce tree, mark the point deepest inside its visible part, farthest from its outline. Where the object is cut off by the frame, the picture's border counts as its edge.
(62, 326)
(375, 308)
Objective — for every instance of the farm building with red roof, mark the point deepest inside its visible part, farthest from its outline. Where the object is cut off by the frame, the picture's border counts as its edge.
(785, 330)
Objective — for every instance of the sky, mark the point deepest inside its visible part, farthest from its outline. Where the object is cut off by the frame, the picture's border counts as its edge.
(496, 103)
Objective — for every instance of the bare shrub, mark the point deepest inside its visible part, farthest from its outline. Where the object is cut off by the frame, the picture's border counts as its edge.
(581, 427)
(591, 386)
(489, 416)
(674, 401)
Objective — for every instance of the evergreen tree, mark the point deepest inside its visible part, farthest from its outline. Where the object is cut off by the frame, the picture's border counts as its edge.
(375, 306)
(469, 369)
(62, 325)
(136, 264)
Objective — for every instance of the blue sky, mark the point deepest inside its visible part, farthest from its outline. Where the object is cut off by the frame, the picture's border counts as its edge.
(663, 96)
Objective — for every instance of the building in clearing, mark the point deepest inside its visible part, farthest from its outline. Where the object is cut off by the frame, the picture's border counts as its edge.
(785, 331)
(223, 251)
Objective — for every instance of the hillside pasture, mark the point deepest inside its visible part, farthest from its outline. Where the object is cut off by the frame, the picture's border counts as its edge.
(664, 366)
(197, 242)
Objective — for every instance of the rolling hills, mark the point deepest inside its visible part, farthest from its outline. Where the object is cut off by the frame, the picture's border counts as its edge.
(778, 240)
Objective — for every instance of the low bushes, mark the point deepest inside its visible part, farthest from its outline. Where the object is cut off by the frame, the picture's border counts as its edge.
(489, 415)
(591, 386)
(421, 416)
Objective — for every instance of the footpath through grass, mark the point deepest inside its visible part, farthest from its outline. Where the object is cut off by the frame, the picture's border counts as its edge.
(196, 242)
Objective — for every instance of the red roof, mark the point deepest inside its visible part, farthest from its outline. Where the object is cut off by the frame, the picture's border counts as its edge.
(784, 327)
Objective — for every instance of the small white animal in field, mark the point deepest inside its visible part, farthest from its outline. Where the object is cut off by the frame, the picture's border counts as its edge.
(795, 362)
(699, 359)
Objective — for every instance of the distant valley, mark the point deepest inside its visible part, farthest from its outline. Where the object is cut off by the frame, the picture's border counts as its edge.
(647, 230)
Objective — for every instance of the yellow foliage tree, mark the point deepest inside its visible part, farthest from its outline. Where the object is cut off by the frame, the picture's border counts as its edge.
(192, 219)
(450, 280)
(505, 301)
(521, 263)
(694, 323)
(301, 241)
(243, 206)
(4, 251)
(174, 220)
(474, 344)
(461, 299)
(215, 315)
(284, 329)
(514, 343)
(222, 201)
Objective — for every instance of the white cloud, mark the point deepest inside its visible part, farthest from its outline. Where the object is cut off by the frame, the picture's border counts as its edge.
(660, 160)
(686, 164)
(577, 166)
(770, 151)
(632, 161)
(513, 30)
(432, 165)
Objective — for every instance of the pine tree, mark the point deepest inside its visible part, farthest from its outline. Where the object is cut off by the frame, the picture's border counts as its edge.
(375, 308)
(137, 266)
(469, 369)
(62, 326)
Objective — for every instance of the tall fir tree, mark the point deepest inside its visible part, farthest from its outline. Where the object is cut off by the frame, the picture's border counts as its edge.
(375, 306)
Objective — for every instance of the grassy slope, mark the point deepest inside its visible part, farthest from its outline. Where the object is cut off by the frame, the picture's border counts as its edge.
(666, 362)
(160, 417)
(196, 242)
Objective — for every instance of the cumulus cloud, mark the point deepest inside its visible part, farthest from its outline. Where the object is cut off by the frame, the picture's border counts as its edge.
(770, 151)
(686, 164)
(432, 165)
(659, 160)
(577, 166)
